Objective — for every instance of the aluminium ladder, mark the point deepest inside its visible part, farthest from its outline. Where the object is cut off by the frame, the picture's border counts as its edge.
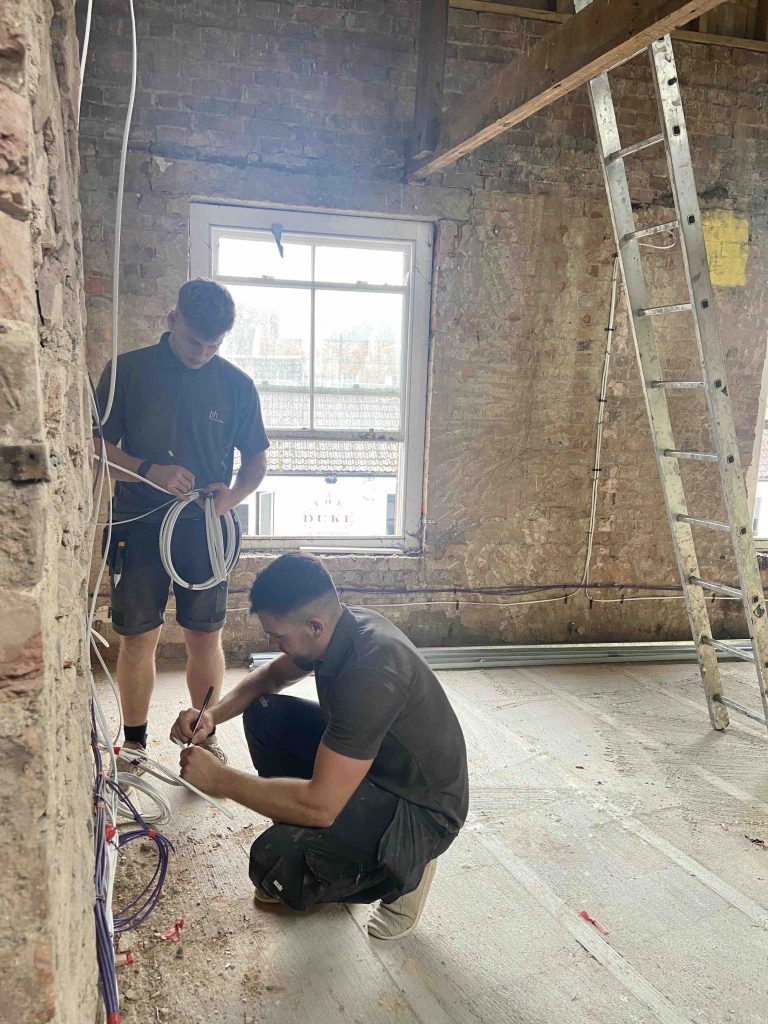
(700, 305)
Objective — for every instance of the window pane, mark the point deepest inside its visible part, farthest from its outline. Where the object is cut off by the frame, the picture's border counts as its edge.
(270, 342)
(358, 347)
(258, 256)
(332, 488)
(345, 265)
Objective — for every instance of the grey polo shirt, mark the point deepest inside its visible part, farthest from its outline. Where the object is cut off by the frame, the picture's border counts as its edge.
(381, 700)
(170, 414)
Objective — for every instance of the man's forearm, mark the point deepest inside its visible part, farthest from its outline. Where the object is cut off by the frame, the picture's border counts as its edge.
(290, 801)
(117, 457)
(252, 471)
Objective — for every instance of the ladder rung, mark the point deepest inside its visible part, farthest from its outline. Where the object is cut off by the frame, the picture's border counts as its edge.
(654, 140)
(677, 307)
(740, 708)
(729, 648)
(694, 521)
(716, 588)
(655, 230)
(673, 384)
(698, 456)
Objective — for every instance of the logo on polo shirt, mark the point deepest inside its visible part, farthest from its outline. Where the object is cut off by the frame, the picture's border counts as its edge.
(214, 415)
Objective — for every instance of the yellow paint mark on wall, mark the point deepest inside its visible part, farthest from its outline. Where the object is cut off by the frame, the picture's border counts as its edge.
(727, 239)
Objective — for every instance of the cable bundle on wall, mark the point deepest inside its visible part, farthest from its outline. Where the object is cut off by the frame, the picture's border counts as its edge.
(107, 792)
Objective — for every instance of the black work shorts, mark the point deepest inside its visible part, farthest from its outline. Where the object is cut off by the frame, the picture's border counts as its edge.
(140, 584)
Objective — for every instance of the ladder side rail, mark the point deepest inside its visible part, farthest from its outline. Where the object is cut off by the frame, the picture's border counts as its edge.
(619, 202)
(710, 349)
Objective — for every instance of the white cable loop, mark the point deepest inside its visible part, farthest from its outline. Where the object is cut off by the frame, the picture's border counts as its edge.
(148, 765)
(162, 816)
(223, 558)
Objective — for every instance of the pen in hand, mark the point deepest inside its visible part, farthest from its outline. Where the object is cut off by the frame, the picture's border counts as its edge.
(200, 715)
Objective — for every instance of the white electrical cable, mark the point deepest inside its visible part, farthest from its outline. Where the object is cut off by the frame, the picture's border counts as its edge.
(162, 816)
(222, 558)
(671, 245)
(119, 217)
(141, 759)
(136, 476)
(84, 57)
(135, 519)
(103, 738)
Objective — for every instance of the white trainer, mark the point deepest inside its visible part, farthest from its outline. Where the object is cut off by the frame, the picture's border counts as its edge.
(398, 919)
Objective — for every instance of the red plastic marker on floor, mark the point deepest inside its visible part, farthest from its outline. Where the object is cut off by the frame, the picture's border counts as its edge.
(601, 928)
(173, 934)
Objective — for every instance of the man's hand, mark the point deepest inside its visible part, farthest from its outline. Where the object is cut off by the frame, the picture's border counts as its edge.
(202, 770)
(182, 727)
(225, 498)
(176, 479)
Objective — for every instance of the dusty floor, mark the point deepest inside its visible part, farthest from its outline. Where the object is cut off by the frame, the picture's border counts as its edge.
(594, 788)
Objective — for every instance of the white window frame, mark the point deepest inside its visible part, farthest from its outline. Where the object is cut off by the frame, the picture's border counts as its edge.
(204, 221)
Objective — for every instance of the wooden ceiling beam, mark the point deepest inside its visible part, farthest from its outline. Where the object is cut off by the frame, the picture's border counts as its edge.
(600, 37)
(430, 74)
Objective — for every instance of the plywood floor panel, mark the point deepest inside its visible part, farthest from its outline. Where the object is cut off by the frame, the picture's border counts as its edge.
(592, 787)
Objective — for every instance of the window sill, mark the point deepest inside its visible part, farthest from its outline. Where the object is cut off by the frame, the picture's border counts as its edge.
(256, 546)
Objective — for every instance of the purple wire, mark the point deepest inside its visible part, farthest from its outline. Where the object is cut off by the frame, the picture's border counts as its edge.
(141, 906)
(138, 909)
(105, 955)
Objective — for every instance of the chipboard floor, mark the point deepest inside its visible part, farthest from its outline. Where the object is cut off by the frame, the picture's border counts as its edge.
(596, 789)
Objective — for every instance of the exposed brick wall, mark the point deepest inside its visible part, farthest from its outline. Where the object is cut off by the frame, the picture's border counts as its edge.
(308, 105)
(46, 917)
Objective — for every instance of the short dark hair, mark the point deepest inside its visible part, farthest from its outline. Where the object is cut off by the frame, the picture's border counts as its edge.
(207, 307)
(290, 582)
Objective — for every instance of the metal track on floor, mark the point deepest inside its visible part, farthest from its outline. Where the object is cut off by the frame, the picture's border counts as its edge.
(453, 659)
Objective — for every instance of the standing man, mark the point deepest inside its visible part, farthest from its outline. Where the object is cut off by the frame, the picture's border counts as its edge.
(179, 411)
(365, 788)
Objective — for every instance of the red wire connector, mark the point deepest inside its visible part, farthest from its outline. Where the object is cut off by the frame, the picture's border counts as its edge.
(127, 959)
(173, 934)
(601, 928)
(109, 832)
(114, 1018)
(151, 834)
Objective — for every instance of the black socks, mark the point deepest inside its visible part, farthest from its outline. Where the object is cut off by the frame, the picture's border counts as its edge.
(137, 733)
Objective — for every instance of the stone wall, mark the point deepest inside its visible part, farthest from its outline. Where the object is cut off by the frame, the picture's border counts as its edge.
(308, 105)
(46, 920)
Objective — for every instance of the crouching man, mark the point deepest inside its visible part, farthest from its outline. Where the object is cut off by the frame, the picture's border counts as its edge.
(365, 788)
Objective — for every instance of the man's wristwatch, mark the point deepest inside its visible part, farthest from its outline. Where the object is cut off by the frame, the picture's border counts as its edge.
(144, 468)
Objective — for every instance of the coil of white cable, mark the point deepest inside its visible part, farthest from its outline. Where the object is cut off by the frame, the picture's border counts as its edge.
(223, 556)
(161, 815)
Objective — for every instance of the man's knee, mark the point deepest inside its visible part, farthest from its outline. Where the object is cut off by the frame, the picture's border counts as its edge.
(256, 714)
(277, 865)
(202, 643)
(141, 646)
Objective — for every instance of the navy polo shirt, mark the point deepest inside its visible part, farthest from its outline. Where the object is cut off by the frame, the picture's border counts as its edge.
(170, 414)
